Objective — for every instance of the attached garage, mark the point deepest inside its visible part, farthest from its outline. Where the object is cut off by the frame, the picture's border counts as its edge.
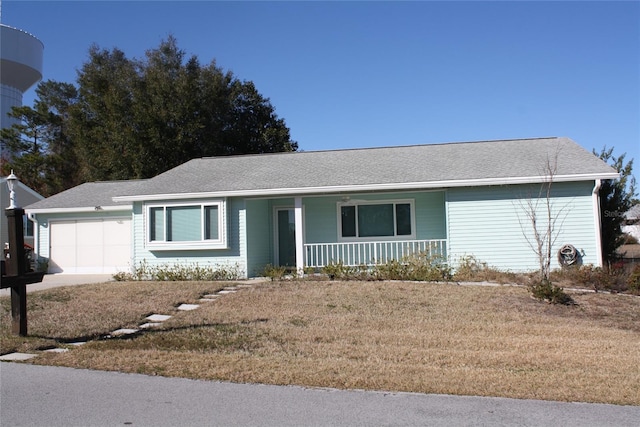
(83, 231)
(95, 246)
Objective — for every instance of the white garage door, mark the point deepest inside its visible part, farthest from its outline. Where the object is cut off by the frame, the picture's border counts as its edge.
(100, 246)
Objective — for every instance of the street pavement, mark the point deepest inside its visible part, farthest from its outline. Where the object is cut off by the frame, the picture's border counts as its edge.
(33, 395)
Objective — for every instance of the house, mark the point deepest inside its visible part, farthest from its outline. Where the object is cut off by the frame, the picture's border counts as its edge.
(310, 209)
(631, 224)
(24, 196)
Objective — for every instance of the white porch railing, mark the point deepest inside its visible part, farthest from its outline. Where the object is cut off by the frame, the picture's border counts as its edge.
(369, 253)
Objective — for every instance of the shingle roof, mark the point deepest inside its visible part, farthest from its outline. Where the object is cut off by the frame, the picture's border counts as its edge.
(90, 195)
(435, 164)
(417, 166)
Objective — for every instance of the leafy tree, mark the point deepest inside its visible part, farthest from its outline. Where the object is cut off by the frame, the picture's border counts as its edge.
(617, 196)
(138, 118)
(135, 118)
(38, 146)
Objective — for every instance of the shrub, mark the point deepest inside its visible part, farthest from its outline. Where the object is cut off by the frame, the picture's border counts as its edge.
(633, 281)
(274, 272)
(340, 271)
(181, 272)
(470, 269)
(544, 290)
(418, 267)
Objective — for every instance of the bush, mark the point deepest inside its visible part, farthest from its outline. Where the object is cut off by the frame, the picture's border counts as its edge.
(274, 272)
(340, 271)
(633, 281)
(418, 267)
(180, 272)
(470, 269)
(544, 290)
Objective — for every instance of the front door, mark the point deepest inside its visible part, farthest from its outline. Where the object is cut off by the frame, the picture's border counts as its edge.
(285, 237)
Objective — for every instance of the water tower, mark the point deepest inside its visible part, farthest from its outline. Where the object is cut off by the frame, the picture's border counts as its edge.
(20, 68)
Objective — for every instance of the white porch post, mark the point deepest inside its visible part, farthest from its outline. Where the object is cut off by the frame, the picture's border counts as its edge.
(297, 212)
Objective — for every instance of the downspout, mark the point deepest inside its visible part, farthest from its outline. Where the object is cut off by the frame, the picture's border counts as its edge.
(598, 224)
(299, 236)
(36, 235)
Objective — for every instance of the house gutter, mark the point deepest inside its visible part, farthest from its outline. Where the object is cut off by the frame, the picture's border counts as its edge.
(36, 235)
(79, 210)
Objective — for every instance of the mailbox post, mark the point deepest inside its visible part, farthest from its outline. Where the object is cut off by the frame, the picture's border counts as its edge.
(17, 275)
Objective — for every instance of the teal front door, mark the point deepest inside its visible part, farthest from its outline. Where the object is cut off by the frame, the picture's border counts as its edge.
(286, 237)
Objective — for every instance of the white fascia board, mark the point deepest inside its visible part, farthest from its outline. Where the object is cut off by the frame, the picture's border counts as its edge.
(79, 210)
(365, 187)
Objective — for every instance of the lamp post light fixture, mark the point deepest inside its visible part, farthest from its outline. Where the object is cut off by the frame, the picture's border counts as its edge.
(12, 179)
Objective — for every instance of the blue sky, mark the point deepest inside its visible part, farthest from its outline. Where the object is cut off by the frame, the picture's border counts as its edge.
(364, 74)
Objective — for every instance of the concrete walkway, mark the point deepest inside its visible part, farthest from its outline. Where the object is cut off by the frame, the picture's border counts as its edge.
(53, 396)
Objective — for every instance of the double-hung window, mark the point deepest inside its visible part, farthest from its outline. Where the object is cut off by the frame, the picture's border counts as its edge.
(187, 225)
(376, 220)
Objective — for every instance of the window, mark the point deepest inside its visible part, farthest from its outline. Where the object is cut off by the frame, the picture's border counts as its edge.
(190, 224)
(376, 220)
(27, 225)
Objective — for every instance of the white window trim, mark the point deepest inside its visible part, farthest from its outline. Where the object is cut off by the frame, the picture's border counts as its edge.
(411, 236)
(220, 243)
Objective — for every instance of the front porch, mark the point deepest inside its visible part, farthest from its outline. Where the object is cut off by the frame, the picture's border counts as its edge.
(356, 230)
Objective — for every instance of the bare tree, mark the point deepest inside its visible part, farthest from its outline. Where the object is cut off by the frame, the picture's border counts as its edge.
(542, 220)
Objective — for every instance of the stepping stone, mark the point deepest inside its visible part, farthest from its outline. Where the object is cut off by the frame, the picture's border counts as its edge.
(245, 286)
(224, 292)
(230, 288)
(206, 299)
(57, 350)
(158, 317)
(150, 325)
(188, 307)
(78, 344)
(210, 296)
(18, 356)
(124, 331)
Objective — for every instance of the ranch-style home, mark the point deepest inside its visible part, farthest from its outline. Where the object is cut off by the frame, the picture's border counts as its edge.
(310, 209)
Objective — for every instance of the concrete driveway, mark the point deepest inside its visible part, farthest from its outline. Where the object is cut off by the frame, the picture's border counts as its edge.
(61, 279)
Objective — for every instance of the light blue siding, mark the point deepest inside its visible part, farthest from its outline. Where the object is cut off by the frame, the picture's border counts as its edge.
(233, 256)
(490, 223)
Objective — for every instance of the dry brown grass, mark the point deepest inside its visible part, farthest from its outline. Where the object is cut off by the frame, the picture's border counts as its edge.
(431, 338)
(76, 313)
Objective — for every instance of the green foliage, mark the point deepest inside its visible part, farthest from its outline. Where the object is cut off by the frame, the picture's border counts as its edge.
(544, 290)
(38, 148)
(470, 269)
(180, 272)
(274, 272)
(340, 271)
(135, 118)
(633, 281)
(418, 267)
(593, 276)
(617, 196)
(140, 117)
